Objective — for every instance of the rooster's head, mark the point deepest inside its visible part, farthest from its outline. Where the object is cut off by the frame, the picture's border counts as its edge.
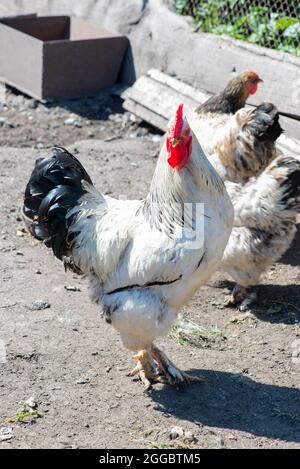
(179, 140)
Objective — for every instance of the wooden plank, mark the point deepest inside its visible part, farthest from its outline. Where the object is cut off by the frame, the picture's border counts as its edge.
(177, 85)
(157, 96)
(291, 127)
(148, 114)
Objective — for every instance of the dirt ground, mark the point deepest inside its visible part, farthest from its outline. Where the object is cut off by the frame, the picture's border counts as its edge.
(72, 362)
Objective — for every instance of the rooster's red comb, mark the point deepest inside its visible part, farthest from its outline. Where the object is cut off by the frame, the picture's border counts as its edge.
(176, 123)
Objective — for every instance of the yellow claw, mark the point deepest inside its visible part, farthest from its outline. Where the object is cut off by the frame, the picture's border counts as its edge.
(141, 355)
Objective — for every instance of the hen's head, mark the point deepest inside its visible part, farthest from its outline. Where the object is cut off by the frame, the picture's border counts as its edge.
(179, 140)
(250, 79)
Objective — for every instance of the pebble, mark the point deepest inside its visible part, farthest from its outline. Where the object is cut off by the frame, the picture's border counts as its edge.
(38, 305)
(71, 288)
(6, 433)
(32, 104)
(32, 402)
(82, 381)
(189, 437)
(21, 232)
(176, 432)
(69, 121)
(156, 138)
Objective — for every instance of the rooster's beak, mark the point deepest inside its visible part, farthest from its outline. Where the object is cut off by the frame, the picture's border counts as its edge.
(260, 80)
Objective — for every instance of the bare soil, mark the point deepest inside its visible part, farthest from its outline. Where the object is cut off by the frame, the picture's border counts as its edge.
(73, 363)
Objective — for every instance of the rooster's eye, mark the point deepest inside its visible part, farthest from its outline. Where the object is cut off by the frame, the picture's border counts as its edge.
(175, 141)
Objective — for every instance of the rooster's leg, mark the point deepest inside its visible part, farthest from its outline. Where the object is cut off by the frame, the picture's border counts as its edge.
(146, 369)
(172, 374)
(243, 297)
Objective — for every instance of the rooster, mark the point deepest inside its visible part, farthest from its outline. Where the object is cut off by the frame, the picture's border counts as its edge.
(238, 141)
(144, 258)
(265, 216)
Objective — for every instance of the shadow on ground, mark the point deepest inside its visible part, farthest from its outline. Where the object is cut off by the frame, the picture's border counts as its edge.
(292, 255)
(235, 402)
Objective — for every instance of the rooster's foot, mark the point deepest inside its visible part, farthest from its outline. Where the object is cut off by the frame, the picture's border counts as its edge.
(244, 305)
(146, 369)
(241, 297)
(170, 372)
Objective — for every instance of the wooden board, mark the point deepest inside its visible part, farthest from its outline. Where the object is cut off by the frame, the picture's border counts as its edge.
(155, 96)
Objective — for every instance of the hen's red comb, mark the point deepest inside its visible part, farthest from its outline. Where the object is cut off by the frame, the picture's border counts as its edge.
(251, 74)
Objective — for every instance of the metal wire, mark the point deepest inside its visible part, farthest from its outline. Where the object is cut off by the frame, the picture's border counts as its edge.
(269, 23)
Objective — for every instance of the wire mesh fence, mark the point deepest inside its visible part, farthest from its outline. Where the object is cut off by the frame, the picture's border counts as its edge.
(269, 23)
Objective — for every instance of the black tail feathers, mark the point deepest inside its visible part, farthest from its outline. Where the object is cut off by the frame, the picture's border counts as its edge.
(290, 184)
(265, 123)
(54, 188)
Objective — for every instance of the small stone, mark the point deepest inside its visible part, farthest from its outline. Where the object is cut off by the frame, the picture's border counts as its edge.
(21, 233)
(190, 437)
(39, 146)
(82, 381)
(6, 433)
(69, 121)
(176, 432)
(31, 402)
(19, 253)
(71, 288)
(156, 138)
(27, 419)
(38, 305)
(32, 104)
(141, 132)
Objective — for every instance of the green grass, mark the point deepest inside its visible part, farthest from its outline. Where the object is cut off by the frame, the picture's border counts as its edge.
(186, 332)
(248, 22)
(23, 413)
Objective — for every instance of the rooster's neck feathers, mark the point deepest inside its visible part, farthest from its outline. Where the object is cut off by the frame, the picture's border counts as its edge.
(171, 188)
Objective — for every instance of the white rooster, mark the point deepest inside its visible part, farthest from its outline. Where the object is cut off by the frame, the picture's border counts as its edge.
(145, 258)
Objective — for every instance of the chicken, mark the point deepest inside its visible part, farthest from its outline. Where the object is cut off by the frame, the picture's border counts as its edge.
(144, 258)
(238, 141)
(265, 211)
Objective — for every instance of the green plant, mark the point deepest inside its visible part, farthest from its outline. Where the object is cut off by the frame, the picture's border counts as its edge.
(248, 21)
(186, 332)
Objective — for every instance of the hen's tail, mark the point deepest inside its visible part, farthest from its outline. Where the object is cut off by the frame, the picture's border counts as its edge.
(54, 188)
(264, 123)
(286, 171)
